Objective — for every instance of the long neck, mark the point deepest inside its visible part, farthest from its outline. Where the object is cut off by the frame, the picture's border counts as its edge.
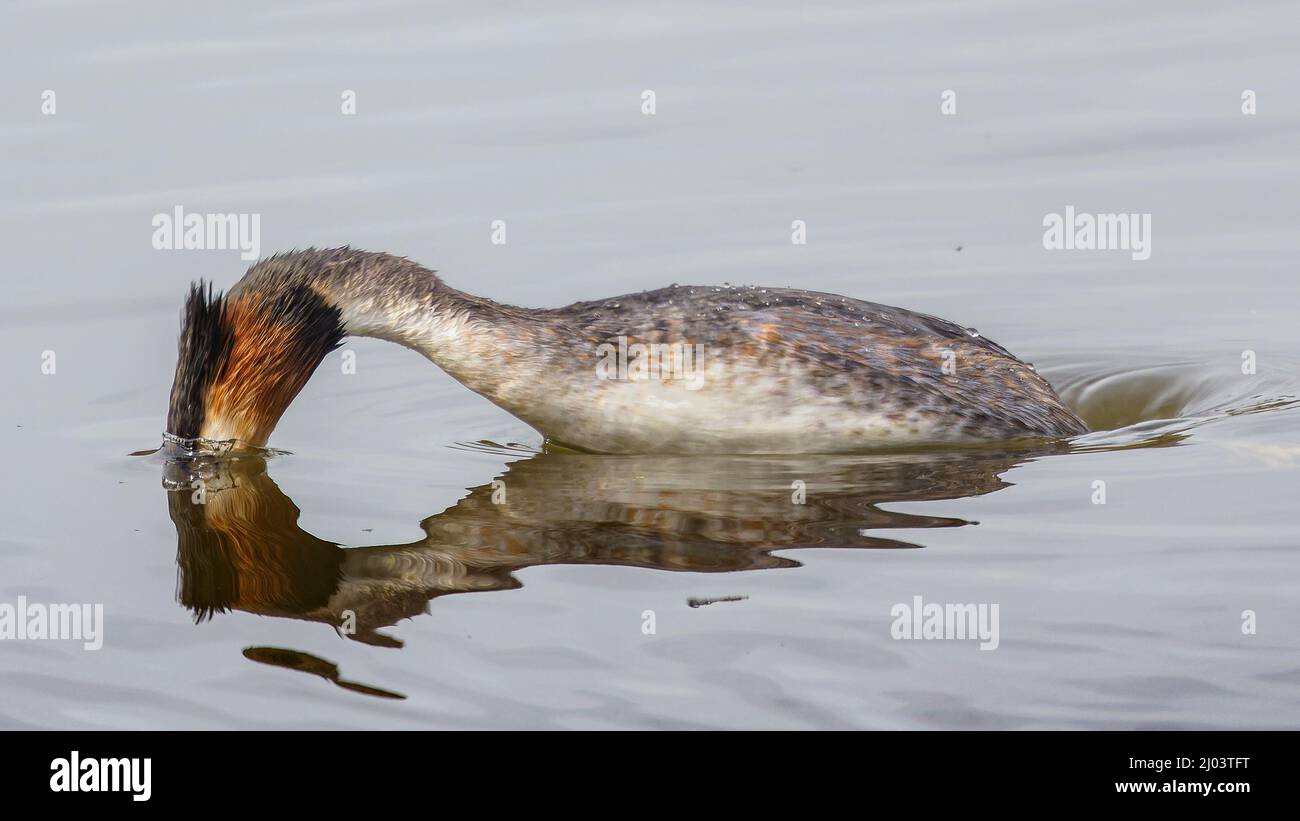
(485, 345)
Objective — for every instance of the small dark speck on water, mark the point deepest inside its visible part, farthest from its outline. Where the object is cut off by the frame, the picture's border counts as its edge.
(367, 530)
(694, 602)
(958, 247)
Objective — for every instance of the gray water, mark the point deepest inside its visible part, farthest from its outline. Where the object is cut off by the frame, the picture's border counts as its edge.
(1122, 614)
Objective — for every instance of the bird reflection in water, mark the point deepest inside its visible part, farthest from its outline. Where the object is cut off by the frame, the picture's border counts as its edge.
(241, 548)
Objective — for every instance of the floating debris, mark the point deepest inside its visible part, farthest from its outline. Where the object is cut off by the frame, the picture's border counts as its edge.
(694, 602)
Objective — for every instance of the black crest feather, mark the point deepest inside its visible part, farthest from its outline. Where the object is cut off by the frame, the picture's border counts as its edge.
(204, 344)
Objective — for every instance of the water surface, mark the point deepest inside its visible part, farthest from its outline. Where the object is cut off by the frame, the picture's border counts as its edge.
(530, 613)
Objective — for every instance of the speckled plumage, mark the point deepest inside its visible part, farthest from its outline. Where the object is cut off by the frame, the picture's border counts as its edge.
(872, 373)
(782, 370)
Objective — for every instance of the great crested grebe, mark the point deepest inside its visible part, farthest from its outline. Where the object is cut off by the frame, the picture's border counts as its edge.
(703, 369)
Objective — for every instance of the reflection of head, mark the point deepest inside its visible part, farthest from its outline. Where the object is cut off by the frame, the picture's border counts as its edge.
(242, 547)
